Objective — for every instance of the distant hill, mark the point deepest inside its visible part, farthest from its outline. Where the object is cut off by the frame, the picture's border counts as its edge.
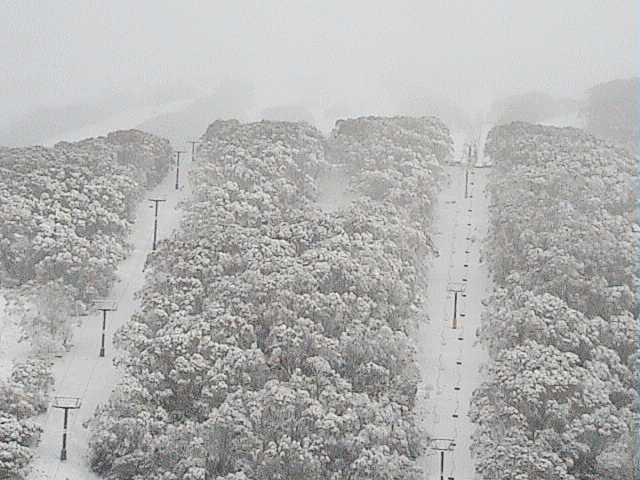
(533, 107)
(39, 126)
(230, 100)
(612, 112)
(36, 126)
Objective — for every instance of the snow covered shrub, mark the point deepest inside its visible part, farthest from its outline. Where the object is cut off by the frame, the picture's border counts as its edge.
(16, 438)
(36, 379)
(18, 403)
(560, 395)
(272, 339)
(44, 315)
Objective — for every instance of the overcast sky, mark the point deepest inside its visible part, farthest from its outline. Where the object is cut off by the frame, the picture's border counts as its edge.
(313, 51)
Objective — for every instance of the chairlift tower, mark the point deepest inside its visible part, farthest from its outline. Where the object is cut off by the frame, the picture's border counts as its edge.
(456, 288)
(193, 148)
(178, 153)
(66, 404)
(156, 201)
(443, 445)
(104, 306)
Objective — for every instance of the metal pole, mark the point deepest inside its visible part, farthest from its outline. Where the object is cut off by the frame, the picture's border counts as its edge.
(442, 465)
(156, 201)
(178, 172)
(193, 149)
(466, 183)
(155, 226)
(104, 326)
(63, 453)
(178, 152)
(455, 310)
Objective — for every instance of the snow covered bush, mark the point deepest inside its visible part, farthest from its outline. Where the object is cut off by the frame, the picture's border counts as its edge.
(16, 439)
(23, 396)
(560, 396)
(272, 339)
(45, 316)
(36, 379)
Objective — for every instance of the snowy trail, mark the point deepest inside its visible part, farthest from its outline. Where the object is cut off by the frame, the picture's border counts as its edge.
(449, 357)
(81, 372)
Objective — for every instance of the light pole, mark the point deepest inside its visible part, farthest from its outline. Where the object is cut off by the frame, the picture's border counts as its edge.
(66, 404)
(156, 201)
(178, 152)
(104, 306)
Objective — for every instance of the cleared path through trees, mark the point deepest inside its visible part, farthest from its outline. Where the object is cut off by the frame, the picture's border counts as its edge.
(448, 353)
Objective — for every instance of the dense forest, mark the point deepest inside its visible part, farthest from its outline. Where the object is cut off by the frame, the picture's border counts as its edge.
(560, 395)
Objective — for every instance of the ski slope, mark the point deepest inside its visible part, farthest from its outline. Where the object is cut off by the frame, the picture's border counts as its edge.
(449, 357)
(81, 372)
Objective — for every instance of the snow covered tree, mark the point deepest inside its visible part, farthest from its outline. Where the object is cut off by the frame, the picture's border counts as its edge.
(36, 379)
(45, 317)
(18, 434)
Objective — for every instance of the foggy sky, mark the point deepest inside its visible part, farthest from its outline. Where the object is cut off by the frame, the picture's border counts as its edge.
(364, 54)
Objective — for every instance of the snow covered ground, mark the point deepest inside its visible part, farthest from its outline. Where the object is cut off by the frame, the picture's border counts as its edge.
(447, 349)
(460, 142)
(81, 372)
